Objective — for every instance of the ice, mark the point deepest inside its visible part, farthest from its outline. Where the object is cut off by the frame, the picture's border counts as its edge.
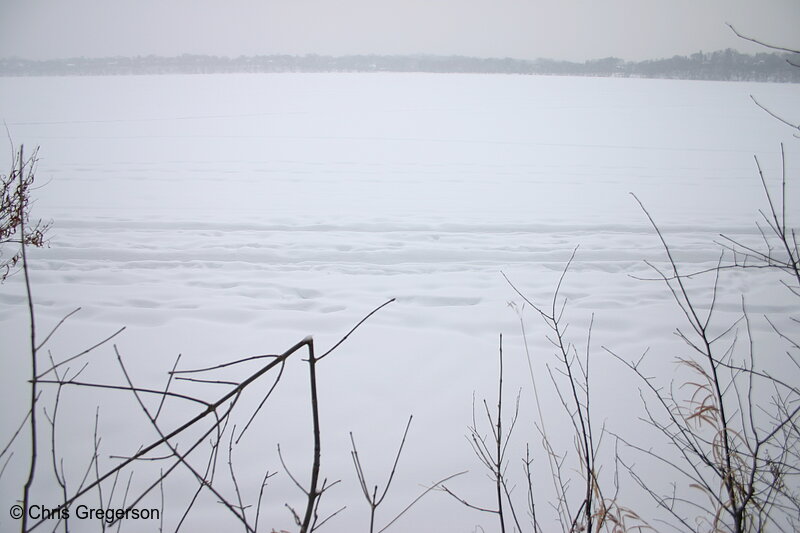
(231, 215)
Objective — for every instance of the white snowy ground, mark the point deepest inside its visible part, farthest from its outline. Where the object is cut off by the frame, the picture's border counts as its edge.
(225, 216)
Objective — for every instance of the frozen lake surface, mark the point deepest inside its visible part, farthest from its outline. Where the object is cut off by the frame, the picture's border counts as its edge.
(230, 215)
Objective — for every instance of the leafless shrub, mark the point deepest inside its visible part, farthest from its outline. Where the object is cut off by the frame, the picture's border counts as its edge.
(732, 424)
(593, 506)
(15, 202)
(490, 449)
(195, 445)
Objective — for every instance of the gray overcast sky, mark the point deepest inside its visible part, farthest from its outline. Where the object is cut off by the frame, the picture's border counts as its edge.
(559, 29)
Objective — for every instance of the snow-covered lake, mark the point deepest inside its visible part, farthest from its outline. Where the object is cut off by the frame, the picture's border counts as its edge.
(230, 215)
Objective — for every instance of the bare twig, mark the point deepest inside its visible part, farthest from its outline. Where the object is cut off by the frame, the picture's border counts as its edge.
(762, 43)
(33, 394)
(374, 500)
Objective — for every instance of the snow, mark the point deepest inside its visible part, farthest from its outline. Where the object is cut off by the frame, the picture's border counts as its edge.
(225, 216)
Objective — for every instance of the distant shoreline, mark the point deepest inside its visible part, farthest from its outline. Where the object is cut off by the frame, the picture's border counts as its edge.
(724, 65)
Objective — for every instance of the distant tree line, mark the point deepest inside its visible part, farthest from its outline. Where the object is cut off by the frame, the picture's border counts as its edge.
(720, 65)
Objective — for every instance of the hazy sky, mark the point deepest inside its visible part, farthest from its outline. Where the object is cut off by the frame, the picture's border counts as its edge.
(560, 29)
